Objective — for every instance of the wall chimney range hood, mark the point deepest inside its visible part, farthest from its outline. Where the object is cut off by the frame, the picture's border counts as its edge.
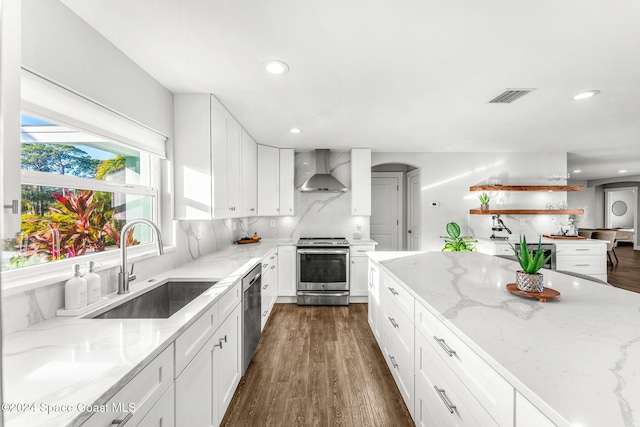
(322, 181)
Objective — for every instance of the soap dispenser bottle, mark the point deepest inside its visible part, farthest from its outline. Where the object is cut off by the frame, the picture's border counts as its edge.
(93, 284)
(75, 291)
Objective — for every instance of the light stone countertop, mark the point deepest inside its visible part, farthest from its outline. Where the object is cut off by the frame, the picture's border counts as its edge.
(86, 361)
(361, 242)
(576, 358)
(514, 240)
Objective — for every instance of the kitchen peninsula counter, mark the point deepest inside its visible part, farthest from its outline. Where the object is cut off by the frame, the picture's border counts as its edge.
(77, 361)
(577, 358)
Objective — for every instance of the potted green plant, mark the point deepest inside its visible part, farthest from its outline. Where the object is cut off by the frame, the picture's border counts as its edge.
(454, 242)
(528, 279)
(484, 201)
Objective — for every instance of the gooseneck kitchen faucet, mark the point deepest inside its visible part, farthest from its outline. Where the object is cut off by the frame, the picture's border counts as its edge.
(125, 277)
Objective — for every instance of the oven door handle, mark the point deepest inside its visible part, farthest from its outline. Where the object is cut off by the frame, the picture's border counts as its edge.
(323, 251)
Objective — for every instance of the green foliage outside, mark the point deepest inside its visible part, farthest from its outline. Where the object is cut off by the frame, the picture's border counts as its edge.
(57, 226)
(454, 242)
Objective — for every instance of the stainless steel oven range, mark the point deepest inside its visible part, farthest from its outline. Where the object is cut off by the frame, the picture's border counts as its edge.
(323, 271)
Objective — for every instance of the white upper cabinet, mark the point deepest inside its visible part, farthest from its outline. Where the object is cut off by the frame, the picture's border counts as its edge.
(287, 189)
(215, 161)
(249, 175)
(361, 181)
(275, 181)
(193, 171)
(268, 181)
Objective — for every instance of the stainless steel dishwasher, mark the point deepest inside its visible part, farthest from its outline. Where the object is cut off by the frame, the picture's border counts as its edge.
(252, 309)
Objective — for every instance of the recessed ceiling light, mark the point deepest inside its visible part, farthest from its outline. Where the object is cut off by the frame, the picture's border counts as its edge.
(587, 94)
(295, 130)
(622, 171)
(577, 171)
(275, 67)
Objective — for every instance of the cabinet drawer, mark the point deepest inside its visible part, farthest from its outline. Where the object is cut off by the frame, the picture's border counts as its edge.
(228, 301)
(491, 390)
(270, 259)
(361, 250)
(192, 340)
(396, 292)
(142, 392)
(163, 413)
(583, 264)
(444, 395)
(398, 324)
(568, 250)
(400, 364)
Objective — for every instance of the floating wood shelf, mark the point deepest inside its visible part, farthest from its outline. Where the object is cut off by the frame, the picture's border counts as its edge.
(527, 188)
(527, 212)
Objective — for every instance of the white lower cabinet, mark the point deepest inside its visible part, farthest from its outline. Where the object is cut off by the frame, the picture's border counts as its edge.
(269, 291)
(163, 413)
(137, 398)
(443, 396)
(205, 387)
(373, 300)
(287, 271)
(358, 279)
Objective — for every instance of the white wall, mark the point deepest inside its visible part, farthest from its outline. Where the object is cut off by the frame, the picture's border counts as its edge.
(446, 178)
(584, 200)
(57, 44)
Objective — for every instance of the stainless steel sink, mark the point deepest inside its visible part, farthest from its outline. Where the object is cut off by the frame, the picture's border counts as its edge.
(160, 302)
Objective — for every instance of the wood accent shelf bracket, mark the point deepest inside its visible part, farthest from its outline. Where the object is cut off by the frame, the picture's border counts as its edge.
(526, 211)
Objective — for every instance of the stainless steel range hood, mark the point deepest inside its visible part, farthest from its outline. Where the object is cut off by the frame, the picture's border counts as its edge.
(322, 180)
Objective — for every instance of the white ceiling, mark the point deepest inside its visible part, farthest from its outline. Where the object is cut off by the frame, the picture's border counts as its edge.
(409, 75)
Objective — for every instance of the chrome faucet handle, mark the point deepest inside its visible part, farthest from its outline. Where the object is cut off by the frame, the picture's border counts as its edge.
(132, 276)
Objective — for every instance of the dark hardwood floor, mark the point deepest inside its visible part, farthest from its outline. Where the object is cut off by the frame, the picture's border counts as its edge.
(625, 273)
(317, 366)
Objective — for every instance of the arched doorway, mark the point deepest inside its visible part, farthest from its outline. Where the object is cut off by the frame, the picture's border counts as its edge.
(395, 221)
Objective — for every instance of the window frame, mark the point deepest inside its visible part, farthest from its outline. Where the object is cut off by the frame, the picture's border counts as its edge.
(49, 273)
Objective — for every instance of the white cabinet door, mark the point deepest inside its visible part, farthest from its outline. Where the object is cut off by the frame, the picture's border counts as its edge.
(268, 181)
(358, 275)
(163, 413)
(361, 181)
(287, 271)
(374, 301)
(196, 390)
(227, 360)
(234, 166)
(249, 176)
(218, 121)
(193, 171)
(287, 188)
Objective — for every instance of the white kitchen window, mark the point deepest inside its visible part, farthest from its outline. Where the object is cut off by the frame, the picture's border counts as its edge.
(85, 172)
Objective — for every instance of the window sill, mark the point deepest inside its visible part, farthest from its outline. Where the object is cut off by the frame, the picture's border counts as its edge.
(38, 276)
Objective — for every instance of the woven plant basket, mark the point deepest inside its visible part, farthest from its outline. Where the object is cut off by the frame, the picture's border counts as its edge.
(529, 282)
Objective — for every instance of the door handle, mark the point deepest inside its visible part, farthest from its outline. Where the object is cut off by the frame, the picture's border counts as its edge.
(409, 231)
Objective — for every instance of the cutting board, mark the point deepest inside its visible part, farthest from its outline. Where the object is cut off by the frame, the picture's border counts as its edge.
(549, 236)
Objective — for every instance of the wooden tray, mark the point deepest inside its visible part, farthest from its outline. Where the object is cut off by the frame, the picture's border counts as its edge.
(551, 236)
(547, 293)
(246, 242)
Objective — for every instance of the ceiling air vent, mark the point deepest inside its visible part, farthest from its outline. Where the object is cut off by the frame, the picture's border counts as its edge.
(509, 96)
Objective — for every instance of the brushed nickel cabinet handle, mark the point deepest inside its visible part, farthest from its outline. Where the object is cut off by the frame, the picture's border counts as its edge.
(444, 346)
(393, 291)
(122, 422)
(446, 402)
(393, 321)
(393, 361)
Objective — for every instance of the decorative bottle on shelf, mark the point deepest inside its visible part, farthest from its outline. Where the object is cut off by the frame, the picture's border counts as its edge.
(75, 291)
(255, 237)
(93, 284)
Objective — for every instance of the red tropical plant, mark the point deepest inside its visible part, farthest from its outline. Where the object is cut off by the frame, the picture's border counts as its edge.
(76, 223)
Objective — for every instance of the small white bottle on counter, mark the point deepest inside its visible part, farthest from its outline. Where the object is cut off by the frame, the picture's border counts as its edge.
(93, 284)
(75, 291)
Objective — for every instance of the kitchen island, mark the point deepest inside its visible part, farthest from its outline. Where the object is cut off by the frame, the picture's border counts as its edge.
(574, 361)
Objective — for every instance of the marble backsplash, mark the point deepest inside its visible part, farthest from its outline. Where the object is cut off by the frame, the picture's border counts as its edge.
(316, 215)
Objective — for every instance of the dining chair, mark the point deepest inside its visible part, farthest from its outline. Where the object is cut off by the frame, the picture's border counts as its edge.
(610, 237)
